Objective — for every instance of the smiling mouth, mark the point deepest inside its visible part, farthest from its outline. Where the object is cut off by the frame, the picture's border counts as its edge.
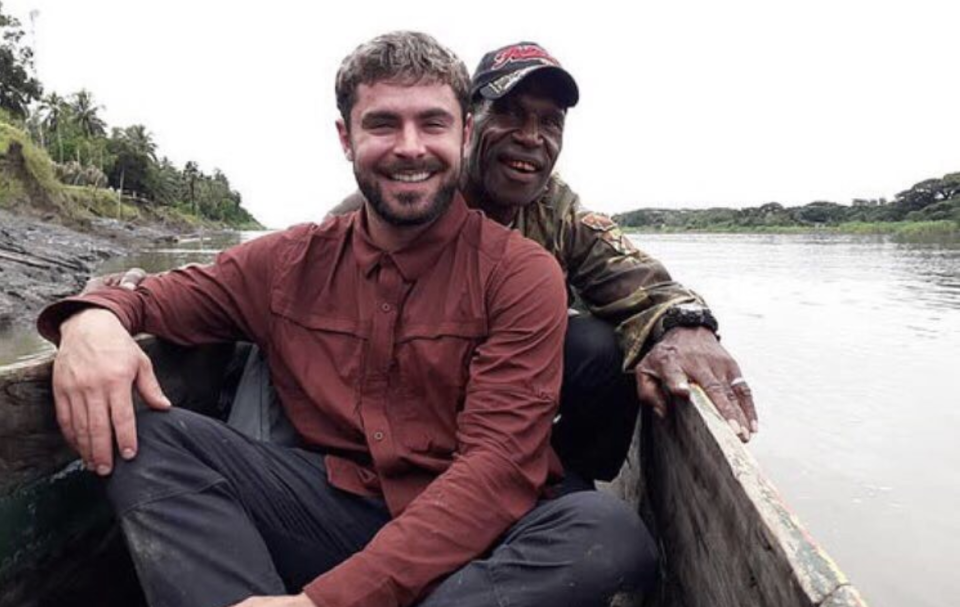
(521, 166)
(410, 177)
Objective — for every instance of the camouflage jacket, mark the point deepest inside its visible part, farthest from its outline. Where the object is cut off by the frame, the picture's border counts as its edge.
(611, 277)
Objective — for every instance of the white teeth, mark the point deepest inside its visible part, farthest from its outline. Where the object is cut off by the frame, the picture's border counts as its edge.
(520, 165)
(410, 177)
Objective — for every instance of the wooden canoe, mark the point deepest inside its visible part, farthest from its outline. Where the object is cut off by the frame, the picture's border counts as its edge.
(727, 538)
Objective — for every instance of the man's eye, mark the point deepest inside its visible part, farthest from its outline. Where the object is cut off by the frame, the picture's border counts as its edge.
(380, 126)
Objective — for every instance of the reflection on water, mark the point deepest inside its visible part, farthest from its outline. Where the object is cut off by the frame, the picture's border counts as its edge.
(851, 346)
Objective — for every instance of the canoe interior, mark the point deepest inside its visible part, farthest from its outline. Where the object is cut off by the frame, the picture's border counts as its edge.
(57, 537)
(726, 537)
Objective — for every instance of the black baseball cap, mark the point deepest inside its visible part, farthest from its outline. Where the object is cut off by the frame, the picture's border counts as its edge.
(501, 70)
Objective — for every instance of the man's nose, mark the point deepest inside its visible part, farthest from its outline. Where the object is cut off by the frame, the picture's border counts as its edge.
(529, 133)
(410, 142)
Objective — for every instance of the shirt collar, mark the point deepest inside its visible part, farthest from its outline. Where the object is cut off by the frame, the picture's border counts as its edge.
(418, 256)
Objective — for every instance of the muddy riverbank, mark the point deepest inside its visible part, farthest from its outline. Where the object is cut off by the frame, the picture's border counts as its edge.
(41, 261)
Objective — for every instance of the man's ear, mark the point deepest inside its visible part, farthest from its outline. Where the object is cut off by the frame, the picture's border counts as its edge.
(343, 131)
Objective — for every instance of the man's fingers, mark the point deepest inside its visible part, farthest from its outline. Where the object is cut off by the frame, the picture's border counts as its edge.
(745, 397)
(648, 390)
(675, 381)
(149, 387)
(81, 428)
(124, 422)
(725, 401)
(64, 417)
(101, 434)
(132, 278)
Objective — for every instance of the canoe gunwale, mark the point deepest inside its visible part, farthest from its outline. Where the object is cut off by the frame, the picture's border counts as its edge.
(727, 536)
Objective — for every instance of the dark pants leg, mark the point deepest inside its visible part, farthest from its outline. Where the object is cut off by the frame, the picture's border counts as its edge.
(579, 550)
(212, 517)
(598, 403)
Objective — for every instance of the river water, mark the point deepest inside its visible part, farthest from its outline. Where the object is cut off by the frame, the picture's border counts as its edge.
(851, 345)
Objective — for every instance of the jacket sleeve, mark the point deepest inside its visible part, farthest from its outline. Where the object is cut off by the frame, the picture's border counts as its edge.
(617, 281)
(503, 449)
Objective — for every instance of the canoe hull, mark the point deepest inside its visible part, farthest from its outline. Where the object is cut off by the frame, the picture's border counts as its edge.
(726, 537)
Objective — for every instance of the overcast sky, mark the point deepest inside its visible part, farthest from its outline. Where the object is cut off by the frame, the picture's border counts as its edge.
(694, 103)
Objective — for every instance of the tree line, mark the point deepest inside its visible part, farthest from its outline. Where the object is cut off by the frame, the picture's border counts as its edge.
(86, 151)
(929, 200)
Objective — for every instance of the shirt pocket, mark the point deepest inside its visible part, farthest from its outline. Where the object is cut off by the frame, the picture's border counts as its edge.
(318, 345)
(433, 369)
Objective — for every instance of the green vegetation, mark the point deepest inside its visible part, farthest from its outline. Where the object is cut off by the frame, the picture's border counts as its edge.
(57, 154)
(929, 208)
(18, 86)
(28, 182)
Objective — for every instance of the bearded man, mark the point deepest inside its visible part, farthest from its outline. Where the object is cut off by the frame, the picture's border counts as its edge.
(644, 335)
(420, 378)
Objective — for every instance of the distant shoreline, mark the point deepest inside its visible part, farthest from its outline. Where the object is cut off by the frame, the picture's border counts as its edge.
(906, 229)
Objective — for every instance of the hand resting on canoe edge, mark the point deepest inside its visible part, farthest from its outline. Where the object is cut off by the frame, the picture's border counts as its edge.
(686, 354)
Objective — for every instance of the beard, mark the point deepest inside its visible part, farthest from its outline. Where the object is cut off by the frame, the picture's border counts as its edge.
(372, 191)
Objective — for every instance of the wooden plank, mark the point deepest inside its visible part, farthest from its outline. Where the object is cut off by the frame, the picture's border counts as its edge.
(53, 518)
(30, 443)
(727, 538)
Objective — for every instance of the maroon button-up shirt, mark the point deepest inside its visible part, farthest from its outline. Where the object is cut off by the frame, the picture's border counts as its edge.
(429, 375)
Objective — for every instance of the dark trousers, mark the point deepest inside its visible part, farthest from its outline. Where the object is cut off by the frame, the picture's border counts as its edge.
(598, 402)
(212, 516)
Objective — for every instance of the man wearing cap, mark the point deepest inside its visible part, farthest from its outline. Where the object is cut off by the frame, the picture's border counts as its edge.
(664, 333)
(644, 334)
(420, 377)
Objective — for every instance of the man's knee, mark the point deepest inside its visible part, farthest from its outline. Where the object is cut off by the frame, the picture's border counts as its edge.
(617, 552)
(591, 352)
(164, 464)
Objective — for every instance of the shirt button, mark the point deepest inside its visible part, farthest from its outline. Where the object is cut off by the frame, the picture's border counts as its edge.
(378, 435)
(384, 307)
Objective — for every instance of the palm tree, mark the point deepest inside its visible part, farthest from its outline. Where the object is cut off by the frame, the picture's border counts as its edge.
(192, 172)
(141, 141)
(85, 114)
(54, 109)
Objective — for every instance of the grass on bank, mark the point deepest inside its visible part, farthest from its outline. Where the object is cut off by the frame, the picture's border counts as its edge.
(28, 182)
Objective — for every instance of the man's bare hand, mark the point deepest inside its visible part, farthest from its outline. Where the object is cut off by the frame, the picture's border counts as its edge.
(128, 280)
(695, 354)
(299, 600)
(96, 367)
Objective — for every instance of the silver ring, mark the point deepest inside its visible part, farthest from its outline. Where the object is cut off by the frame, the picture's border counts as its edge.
(736, 382)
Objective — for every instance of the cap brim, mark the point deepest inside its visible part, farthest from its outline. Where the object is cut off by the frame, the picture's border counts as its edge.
(564, 86)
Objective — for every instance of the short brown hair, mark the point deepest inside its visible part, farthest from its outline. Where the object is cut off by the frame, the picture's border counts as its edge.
(405, 57)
